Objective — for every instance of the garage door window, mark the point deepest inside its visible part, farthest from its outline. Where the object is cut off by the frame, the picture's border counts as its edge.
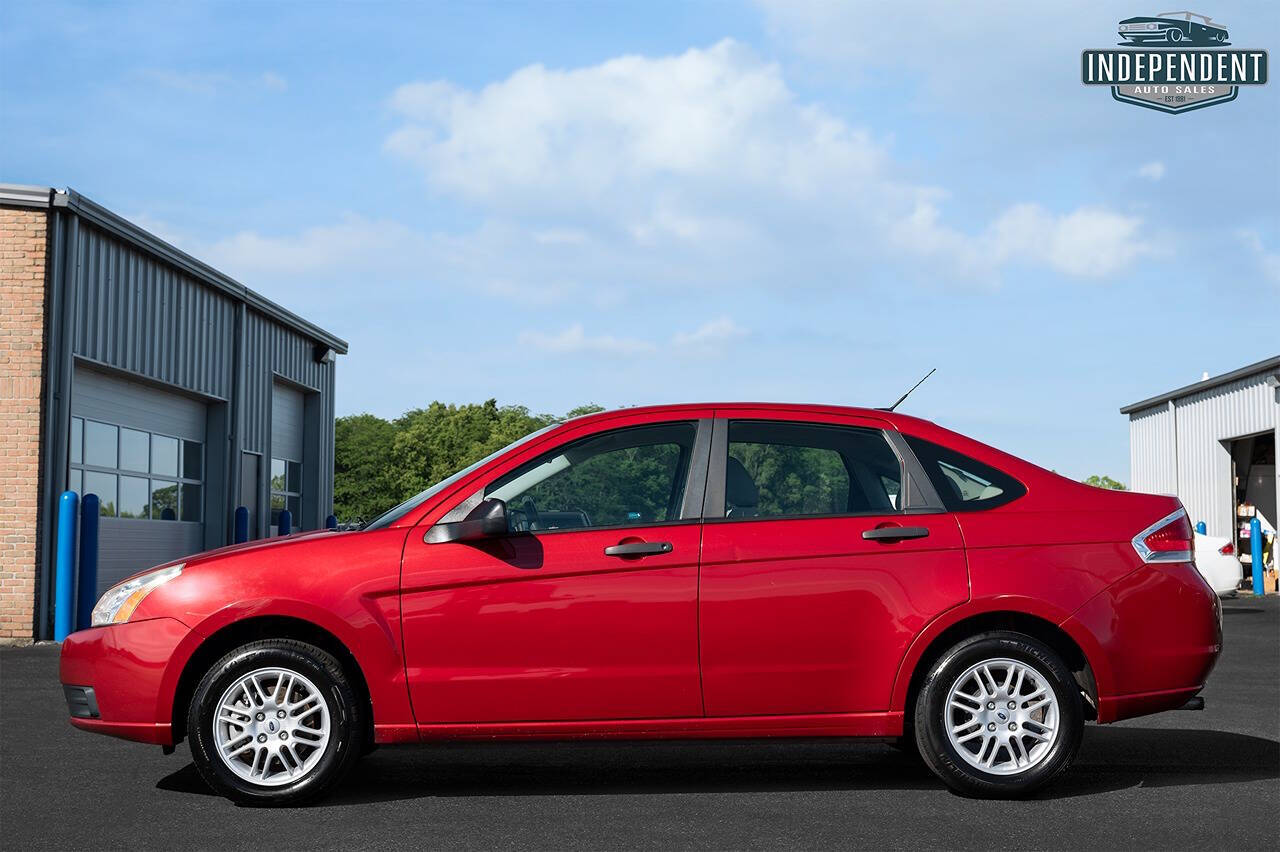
(137, 474)
(286, 490)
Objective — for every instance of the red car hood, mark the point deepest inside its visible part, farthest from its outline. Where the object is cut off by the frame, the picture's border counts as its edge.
(260, 544)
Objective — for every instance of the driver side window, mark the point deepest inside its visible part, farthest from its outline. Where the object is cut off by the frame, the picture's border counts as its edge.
(627, 477)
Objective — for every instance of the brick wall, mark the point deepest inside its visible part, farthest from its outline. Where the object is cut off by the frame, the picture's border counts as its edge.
(22, 282)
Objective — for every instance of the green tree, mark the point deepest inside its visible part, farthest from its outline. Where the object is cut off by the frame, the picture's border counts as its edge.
(379, 463)
(362, 466)
(1105, 482)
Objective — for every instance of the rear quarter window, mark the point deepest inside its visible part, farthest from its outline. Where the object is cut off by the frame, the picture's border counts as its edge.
(964, 484)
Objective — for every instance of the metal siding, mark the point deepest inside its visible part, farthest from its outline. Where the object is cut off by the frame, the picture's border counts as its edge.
(1151, 455)
(122, 300)
(135, 313)
(1243, 407)
(1196, 466)
(274, 353)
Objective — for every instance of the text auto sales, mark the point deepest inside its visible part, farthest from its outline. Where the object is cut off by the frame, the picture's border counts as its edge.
(1186, 72)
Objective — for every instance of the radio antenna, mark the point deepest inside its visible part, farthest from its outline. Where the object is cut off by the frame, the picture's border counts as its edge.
(908, 393)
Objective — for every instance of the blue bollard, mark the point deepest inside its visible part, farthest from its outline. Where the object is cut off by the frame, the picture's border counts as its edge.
(331, 522)
(285, 524)
(242, 524)
(87, 580)
(64, 574)
(1255, 553)
(1201, 528)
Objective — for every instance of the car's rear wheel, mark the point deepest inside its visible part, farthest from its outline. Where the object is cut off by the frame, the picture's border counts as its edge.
(275, 722)
(999, 715)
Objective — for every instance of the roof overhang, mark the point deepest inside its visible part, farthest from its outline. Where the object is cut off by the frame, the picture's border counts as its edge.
(1260, 368)
(18, 195)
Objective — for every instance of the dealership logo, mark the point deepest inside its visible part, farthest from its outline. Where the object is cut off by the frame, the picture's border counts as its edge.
(1174, 62)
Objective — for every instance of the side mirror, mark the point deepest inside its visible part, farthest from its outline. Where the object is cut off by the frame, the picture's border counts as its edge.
(486, 520)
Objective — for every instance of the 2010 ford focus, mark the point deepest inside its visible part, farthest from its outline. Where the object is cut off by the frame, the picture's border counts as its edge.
(690, 571)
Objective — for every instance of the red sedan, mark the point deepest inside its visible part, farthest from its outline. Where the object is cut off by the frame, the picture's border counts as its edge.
(692, 571)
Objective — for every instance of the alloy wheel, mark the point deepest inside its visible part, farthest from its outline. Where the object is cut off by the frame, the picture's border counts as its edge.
(1002, 716)
(271, 726)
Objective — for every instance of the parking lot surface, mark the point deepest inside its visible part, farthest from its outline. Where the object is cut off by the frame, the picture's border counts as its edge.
(1183, 780)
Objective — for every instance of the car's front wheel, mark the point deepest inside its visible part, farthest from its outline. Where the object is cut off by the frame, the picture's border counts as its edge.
(274, 722)
(999, 716)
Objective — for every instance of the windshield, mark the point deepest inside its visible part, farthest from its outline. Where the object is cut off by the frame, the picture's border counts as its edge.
(390, 516)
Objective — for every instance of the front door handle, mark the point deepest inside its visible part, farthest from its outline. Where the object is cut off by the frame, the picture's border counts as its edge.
(895, 533)
(638, 548)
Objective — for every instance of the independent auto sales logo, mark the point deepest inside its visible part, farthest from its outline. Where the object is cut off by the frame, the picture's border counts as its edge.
(1174, 62)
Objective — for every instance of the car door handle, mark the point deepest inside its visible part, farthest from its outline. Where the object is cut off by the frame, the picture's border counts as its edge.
(638, 548)
(895, 533)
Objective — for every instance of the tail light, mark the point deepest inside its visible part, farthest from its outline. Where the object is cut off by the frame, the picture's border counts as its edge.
(1227, 549)
(1167, 540)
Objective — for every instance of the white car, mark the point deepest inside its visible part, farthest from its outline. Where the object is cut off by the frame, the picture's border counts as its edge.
(1217, 563)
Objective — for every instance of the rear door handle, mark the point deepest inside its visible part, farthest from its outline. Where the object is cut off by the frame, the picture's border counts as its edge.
(638, 548)
(895, 533)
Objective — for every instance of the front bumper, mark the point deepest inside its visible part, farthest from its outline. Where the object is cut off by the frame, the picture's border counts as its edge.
(119, 680)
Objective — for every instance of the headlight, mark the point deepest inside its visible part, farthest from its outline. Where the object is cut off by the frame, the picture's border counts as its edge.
(120, 601)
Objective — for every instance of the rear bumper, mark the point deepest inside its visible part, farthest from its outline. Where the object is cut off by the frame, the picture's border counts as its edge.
(116, 678)
(1161, 631)
(1117, 707)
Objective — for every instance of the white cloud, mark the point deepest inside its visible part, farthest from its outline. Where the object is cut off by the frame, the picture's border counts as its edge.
(1086, 243)
(574, 339)
(709, 153)
(384, 258)
(709, 338)
(953, 48)
(710, 335)
(1268, 261)
(273, 81)
(561, 236)
(1152, 171)
(188, 82)
(209, 83)
(315, 249)
(709, 115)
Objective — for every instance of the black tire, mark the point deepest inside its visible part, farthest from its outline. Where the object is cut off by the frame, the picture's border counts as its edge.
(347, 727)
(932, 715)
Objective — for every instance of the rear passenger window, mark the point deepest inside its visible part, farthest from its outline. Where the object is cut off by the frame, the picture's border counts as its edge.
(963, 483)
(777, 470)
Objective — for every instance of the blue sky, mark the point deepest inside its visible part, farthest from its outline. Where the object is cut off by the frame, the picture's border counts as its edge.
(556, 203)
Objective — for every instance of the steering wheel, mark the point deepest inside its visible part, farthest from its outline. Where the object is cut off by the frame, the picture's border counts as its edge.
(517, 521)
(530, 512)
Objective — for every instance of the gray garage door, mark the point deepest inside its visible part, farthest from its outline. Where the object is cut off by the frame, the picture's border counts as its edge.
(142, 451)
(287, 409)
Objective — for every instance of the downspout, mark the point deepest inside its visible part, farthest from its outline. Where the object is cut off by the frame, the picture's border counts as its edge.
(65, 285)
(235, 441)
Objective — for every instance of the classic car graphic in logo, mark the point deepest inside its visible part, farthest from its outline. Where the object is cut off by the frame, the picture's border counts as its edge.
(1173, 62)
(1174, 28)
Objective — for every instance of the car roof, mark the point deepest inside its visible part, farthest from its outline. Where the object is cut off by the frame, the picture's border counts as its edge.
(803, 407)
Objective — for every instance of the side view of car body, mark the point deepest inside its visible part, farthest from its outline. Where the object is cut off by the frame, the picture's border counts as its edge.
(1217, 562)
(694, 571)
(1187, 28)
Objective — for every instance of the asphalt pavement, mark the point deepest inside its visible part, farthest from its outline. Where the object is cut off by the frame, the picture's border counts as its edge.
(1182, 780)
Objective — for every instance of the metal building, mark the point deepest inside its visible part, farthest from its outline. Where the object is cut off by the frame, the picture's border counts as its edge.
(1213, 444)
(172, 392)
